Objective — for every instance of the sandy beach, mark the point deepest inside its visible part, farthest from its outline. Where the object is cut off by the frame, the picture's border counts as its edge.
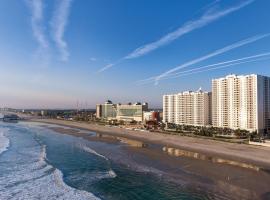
(254, 155)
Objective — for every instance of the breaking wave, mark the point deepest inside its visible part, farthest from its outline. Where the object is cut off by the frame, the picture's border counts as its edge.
(99, 175)
(4, 141)
(103, 175)
(89, 150)
(29, 176)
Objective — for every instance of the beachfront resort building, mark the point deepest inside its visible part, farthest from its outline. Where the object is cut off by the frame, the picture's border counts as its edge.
(108, 110)
(125, 112)
(190, 108)
(131, 112)
(241, 102)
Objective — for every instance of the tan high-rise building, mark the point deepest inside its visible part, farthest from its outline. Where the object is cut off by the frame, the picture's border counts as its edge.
(108, 110)
(241, 102)
(190, 108)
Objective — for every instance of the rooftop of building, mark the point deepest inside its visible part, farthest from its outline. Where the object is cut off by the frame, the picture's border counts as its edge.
(109, 102)
(238, 76)
(199, 91)
(134, 104)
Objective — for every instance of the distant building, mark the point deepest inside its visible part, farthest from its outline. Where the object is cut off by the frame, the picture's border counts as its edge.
(242, 102)
(11, 118)
(161, 116)
(98, 111)
(190, 108)
(44, 112)
(151, 116)
(127, 112)
(108, 110)
(131, 112)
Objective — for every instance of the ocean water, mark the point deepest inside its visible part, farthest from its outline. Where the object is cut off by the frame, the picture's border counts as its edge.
(25, 173)
(38, 163)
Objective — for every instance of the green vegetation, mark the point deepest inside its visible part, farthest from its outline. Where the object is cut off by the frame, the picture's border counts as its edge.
(210, 132)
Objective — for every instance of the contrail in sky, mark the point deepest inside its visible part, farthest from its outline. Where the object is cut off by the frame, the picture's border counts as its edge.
(36, 7)
(58, 24)
(208, 17)
(222, 63)
(222, 66)
(212, 54)
(228, 62)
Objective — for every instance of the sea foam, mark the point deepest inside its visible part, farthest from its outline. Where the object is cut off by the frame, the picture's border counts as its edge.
(4, 141)
(89, 150)
(99, 175)
(36, 179)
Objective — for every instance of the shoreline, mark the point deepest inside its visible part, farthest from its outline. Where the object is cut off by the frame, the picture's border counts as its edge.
(247, 154)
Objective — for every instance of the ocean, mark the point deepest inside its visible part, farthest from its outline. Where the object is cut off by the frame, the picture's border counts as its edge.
(37, 162)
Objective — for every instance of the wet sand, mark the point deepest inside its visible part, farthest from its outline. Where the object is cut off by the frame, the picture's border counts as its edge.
(243, 153)
(181, 166)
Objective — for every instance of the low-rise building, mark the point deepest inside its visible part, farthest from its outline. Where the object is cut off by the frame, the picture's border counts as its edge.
(151, 116)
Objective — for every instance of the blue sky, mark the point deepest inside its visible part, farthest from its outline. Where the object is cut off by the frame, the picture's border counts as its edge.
(54, 53)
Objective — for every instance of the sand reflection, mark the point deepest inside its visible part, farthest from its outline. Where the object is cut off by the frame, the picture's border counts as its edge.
(179, 152)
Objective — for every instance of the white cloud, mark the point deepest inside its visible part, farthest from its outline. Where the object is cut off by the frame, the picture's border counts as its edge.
(223, 64)
(106, 67)
(36, 7)
(59, 22)
(219, 67)
(208, 17)
(244, 59)
(110, 65)
(205, 67)
(210, 55)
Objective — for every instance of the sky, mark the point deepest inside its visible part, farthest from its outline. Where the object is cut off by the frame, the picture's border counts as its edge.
(69, 53)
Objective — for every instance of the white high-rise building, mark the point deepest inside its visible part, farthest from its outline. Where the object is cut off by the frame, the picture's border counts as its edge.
(190, 108)
(241, 102)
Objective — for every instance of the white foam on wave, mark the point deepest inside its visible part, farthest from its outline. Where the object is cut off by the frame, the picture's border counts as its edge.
(99, 175)
(89, 150)
(103, 175)
(36, 179)
(69, 192)
(111, 174)
(4, 141)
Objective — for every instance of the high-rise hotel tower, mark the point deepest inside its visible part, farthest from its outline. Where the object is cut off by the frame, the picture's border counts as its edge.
(241, 102)
(191, 108)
